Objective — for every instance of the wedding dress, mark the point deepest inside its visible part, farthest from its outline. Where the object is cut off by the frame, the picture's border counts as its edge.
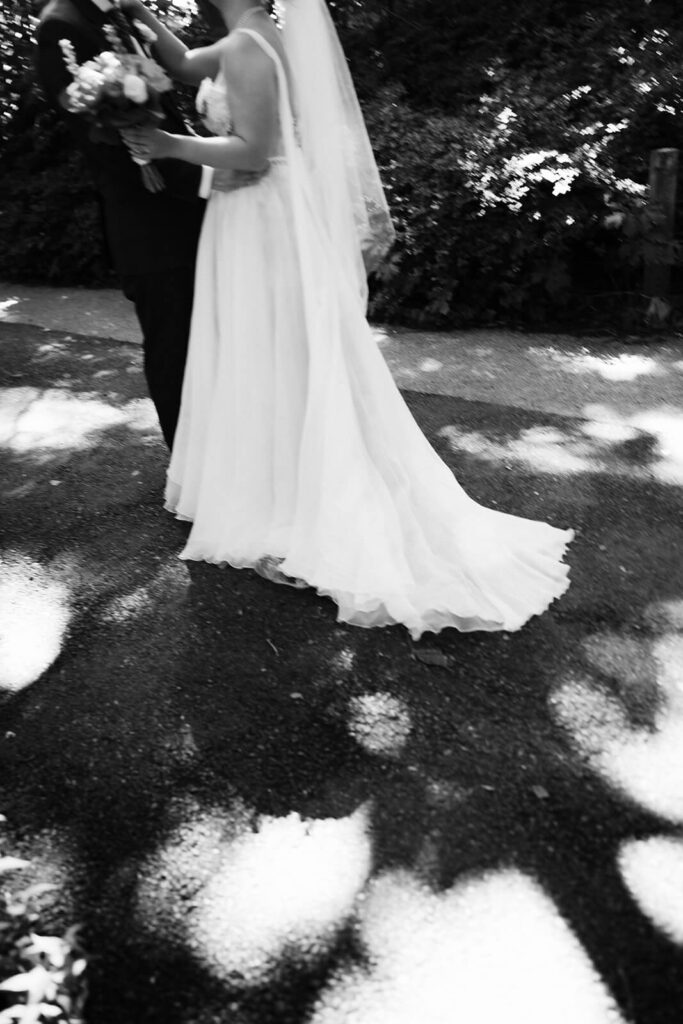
(294, 443)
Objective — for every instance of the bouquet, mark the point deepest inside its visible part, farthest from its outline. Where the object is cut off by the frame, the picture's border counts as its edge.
(115, 90)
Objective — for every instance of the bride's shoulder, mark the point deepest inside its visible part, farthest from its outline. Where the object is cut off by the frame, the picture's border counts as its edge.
(243, 41)
(241, 52)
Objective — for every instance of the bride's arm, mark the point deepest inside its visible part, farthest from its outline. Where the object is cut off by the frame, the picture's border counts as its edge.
(253, 105)
(182, 63)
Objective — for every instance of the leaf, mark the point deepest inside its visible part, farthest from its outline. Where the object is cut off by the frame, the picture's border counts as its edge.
(78, 966)
(32, 1014)
(49, 946)
(36, 983)
(12, 1013)
(37, 890)
(13, 864)
(17, 908)
(431, 656)
(17, 983)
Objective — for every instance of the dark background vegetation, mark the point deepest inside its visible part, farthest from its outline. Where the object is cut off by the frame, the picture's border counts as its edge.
(508, 134)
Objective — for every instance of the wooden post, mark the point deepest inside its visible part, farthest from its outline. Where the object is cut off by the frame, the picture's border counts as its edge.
(661, 210)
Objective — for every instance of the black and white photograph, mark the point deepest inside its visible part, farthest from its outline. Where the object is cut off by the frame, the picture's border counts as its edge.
(341, 512)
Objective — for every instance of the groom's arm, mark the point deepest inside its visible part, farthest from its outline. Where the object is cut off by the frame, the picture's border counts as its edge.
(104, 162)
(52, 71)
(108, 163)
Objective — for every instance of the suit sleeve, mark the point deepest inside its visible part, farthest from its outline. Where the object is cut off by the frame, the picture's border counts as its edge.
(53, 72)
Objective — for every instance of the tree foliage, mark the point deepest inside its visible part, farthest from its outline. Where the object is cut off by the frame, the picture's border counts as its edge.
(514, 141)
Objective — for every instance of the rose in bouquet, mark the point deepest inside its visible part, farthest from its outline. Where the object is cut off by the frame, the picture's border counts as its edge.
(117, 90)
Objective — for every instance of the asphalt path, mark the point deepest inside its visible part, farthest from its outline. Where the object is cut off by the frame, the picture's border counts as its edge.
(261, 815)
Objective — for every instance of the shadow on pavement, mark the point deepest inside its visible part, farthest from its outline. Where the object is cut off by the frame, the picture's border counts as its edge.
(192, 724)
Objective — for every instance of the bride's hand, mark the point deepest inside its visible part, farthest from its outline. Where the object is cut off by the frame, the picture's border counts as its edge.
(146, 143)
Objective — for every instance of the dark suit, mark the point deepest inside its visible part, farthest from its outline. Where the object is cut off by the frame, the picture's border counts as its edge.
(152, 237)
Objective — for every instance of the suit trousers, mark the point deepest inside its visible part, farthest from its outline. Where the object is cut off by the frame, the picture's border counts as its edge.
(163, 303)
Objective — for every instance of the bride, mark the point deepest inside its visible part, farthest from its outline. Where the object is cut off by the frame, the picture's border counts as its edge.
(295, 453)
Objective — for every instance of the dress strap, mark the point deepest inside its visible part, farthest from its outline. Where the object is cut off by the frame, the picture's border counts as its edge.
(269, 49)
(263, 43)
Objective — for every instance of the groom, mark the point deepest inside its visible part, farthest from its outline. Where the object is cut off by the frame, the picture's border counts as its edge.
(152, 237)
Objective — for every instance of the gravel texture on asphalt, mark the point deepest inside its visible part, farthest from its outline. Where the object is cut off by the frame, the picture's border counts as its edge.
(262, 816)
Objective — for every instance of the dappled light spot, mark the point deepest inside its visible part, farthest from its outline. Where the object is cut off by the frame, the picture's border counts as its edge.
(653, 872)
(6, 305)
(129, 606)
(430, 366)
(544, 449)
(36, 610)
(53, 349)
(644, 763)
(625, 366)
(31, 419)
(664, 425)
(629, 660)
(241, 895)
(34, 420)
(141, 418)
(609, 430)
(647, 445)
(380, 723)
(446, 794)
(381, 335)
(665, 615)
(169, 586)
(613, 367)
(544, 435)
(343, 661)
(667, 426)
(492, 948)
(596, 720)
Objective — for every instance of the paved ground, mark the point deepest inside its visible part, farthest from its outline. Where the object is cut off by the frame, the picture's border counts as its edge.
(549, 373)
(263, 816)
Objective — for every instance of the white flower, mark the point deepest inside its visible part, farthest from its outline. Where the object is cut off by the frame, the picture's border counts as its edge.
(135, 88)
(69, 54)
(107, 59)
(89, 78)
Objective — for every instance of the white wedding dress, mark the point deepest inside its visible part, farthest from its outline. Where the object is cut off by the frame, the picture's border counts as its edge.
(294, 443)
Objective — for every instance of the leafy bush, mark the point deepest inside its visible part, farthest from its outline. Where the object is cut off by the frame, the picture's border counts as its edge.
(505, 209)
(491, 225)
(42, 977)
(50, 219)
(50, 215)
(514, 141)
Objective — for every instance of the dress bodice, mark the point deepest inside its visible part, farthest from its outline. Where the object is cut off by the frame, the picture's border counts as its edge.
(213, 102)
